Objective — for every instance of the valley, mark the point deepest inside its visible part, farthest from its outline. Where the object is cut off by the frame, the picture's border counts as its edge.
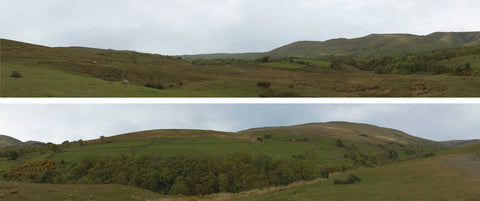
(389, 163)
(441, 69)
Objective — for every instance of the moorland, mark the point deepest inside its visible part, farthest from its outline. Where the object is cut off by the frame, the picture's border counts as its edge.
(316, 161)
(441, 64)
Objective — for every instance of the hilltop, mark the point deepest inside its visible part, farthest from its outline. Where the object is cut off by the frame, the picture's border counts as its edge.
(367, 46)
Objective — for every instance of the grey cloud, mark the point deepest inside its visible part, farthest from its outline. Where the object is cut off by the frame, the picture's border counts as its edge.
(189, 26)
(58, 122)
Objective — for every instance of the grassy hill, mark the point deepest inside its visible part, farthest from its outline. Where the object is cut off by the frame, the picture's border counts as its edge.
(367, 46)
(316, 141)
(355, 132)
(7, 141)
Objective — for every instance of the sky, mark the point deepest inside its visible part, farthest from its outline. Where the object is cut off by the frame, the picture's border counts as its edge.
(55, 122)
(211, 26)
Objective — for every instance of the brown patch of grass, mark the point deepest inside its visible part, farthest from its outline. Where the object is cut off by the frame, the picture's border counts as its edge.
(378, 92)
(419, 88)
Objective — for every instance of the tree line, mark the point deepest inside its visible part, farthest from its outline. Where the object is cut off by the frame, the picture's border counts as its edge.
(426, 62)
(187, 175)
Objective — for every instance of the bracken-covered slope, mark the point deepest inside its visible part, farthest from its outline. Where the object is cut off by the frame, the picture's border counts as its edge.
(356, 132)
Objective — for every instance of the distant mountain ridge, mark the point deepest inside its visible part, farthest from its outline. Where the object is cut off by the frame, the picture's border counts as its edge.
(371, 45)
(7, 141)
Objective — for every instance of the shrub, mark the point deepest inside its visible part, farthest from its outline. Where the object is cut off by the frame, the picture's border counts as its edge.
(264, 84)
(351, 179)
(15, 74)
(13, 155)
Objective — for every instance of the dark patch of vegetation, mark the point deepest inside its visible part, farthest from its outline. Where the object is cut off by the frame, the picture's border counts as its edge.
(264, 84)
(155, 86)
(427, 62)
(351, 179)
(339, 143)
(13, 155)
(15, 74)
(264, 59)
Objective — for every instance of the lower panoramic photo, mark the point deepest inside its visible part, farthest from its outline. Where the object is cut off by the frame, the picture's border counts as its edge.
(239, 152)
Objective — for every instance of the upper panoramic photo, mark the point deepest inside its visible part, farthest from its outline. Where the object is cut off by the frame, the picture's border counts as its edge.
(240, 48)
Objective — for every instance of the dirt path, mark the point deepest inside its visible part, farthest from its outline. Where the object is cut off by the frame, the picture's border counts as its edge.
(471, 162)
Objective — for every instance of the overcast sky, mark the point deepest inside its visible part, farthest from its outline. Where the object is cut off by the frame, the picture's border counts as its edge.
(59, 122)
(209, 26)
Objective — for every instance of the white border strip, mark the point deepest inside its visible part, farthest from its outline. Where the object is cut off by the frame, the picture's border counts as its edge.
(239, 100)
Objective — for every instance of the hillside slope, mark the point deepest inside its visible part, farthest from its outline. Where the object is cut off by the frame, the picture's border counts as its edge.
(377, 44)
(371, 45)
(460, 143)
(7, 141)
(356, 132)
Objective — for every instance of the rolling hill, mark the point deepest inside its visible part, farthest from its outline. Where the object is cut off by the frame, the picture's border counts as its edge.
(7, 141)
(371, 45)
(356, 132)
(431, 178)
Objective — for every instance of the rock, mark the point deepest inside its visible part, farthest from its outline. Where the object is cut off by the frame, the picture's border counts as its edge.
(125, 81)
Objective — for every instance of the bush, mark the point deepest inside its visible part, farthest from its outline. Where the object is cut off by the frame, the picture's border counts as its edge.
(264, 84)
(16, 74)
(13, 155)
(351, 179)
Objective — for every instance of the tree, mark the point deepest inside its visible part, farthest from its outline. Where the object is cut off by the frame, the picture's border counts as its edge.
(13, 155)
(339, 143)
(264, 59)
(467, 66)
(179, 187)
(102, 139)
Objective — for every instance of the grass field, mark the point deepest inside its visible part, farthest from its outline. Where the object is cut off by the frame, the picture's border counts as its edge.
(435, 178)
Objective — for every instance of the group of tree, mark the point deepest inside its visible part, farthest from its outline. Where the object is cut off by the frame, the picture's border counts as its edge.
(187, 175)
(425, 62)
